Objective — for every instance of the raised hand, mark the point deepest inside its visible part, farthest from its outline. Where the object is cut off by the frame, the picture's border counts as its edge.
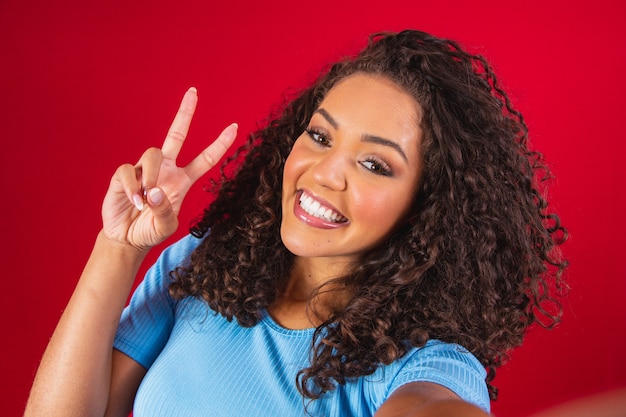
(143, 200)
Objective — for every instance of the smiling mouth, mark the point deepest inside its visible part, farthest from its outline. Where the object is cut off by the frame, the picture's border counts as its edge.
(314, 208)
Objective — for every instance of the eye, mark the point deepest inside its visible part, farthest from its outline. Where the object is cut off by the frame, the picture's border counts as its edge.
(377, 166)
(317, 137)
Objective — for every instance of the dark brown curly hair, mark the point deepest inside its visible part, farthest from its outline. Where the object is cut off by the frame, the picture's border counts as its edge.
(478, 262)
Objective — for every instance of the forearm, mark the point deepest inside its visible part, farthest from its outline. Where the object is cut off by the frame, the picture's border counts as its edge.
(74, 376)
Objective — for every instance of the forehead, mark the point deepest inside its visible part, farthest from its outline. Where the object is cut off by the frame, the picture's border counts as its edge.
(374, 105)
(366, 95)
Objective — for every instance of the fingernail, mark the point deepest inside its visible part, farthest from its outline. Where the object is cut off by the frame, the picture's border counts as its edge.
(138, 201)
(155, 195)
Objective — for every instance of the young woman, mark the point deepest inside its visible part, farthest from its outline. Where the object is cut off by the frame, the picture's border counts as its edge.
(382, 247)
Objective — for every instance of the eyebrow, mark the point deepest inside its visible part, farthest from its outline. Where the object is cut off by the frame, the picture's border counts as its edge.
(366, 137)
(386, 142)
(328, 117)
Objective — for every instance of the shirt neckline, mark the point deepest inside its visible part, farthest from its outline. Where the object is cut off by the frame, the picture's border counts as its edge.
(272, 324)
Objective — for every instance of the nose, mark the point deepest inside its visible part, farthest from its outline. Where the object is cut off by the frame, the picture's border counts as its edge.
(330, 170)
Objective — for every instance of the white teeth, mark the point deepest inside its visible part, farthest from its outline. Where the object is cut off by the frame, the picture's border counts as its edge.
(314, 208)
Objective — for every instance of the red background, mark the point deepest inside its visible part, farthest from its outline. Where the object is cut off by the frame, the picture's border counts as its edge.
(86, 87)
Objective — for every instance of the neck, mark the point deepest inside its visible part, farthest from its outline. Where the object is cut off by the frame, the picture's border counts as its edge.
(310, 297)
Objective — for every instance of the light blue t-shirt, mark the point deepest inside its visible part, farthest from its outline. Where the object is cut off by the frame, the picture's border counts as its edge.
(201, 364)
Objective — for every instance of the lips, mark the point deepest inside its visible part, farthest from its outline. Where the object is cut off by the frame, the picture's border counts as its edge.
(318, 213)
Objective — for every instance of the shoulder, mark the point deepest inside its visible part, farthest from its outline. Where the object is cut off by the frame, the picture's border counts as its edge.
(446, 364)
(173, 256)
(147, 321)
(178, 252)
(436, 352)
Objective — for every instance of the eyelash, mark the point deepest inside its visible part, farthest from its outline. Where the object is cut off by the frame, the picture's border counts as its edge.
(320, 139)
(379, 166)
(374, 165)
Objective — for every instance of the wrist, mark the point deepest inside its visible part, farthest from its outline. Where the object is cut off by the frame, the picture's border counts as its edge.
(120, 248)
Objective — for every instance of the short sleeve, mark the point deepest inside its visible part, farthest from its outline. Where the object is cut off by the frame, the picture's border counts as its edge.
(446, 364)
(147, 321)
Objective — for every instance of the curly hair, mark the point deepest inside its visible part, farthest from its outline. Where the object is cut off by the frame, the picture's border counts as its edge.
(477, 264)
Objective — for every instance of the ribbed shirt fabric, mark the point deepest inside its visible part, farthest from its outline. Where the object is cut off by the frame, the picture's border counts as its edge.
(200, 364)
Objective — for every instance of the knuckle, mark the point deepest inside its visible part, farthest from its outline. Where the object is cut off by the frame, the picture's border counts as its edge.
(166, 212)
(124, 169)
(176, 135)
(152, 152)
(209, 158)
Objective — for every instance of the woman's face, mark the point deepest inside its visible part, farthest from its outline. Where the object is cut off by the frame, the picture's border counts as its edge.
(351, 177)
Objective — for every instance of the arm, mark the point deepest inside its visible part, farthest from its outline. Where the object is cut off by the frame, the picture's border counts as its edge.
(75, 372)
(425, 399)
(81, 374)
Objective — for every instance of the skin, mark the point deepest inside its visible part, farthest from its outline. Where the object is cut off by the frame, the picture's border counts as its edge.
(336, 162)
(342, 162)
(80, 373)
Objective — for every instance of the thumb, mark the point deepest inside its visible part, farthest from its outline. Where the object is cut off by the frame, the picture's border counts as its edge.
(165, 220)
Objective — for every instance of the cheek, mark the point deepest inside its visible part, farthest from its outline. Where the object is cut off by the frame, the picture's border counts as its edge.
(374, 207)
(293, 166)
(288, 172)
(383, 208)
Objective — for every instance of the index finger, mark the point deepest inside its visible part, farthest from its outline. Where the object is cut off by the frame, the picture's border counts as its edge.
(180, 126)
(212, 154)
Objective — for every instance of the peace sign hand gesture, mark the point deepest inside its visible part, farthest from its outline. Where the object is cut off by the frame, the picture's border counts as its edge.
(142, 203)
